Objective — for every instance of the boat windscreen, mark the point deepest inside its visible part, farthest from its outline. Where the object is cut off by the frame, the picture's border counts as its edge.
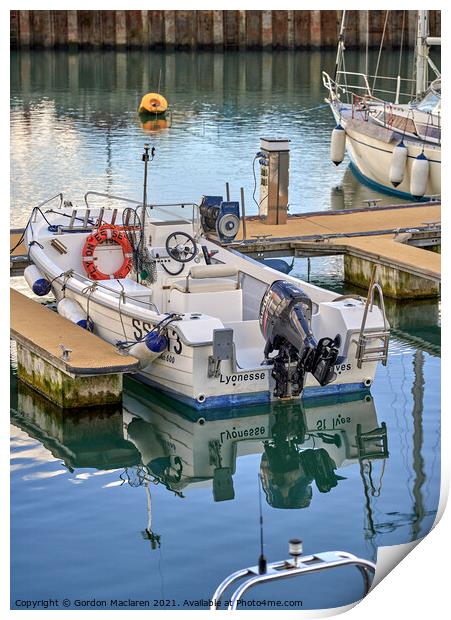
(431, 99)
(188, 213)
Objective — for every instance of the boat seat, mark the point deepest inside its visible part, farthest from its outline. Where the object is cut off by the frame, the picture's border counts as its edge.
(208, 279)
(193, 294)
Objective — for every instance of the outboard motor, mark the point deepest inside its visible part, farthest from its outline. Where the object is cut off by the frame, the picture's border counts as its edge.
(285, 314)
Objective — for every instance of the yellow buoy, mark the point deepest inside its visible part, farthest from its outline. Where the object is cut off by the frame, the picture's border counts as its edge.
(153, 103)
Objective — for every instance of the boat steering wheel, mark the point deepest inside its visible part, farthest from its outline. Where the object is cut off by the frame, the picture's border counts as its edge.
(181, 247)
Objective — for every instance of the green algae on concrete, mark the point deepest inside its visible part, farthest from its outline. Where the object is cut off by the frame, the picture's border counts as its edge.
(65, 389)
(395, 283)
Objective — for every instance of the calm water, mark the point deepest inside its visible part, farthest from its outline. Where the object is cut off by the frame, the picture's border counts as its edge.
(144, 502)
(74, 125)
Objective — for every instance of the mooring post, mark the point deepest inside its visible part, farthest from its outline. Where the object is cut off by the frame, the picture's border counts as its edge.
(274, 178)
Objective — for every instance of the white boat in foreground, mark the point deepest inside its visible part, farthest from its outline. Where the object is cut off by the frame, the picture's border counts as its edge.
(209, 326)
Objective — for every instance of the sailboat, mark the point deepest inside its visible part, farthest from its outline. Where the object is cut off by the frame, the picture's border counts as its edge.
(393, 147)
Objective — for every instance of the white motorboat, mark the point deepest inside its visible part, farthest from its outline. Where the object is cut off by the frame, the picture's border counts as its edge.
(394, 147)
(210, 326)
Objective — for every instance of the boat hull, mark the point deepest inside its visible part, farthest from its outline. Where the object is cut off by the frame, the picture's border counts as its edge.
(181, 371)
(371, 159)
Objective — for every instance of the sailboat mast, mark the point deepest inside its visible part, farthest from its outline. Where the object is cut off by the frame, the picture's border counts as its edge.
(422, 52)
(341, 45)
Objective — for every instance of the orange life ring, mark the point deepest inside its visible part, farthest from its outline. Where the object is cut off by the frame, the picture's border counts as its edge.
(107, 232)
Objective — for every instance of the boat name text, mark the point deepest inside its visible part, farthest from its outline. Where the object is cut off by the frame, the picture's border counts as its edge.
(234, 379)
(143, 327)
(257, 431)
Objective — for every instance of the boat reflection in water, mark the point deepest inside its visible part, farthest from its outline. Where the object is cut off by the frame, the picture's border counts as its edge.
(351, 194)
(301, 444)
(151, 439)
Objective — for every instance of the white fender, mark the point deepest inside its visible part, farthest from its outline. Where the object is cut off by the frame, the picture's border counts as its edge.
(398, 164)
(338, 144)
(419, 176)
(71, 309)
(38, 283)
(143, 354)
(149, 349)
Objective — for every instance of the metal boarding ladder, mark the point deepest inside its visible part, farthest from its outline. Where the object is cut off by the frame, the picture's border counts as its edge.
(372, 444)
(365, 352)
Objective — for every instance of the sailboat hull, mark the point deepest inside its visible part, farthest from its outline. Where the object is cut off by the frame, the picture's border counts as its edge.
(371, 160)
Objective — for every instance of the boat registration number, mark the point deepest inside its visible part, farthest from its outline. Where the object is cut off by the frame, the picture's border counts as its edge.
(141, 328)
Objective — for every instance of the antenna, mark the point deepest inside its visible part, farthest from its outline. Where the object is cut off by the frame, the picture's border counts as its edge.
(261, 559)
(145, 158)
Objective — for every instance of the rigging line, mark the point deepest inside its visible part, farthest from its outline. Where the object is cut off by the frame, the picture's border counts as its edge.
(367, 41)
(345, 80)
(380, 49)
(402, 41)
(317, 107)
(414, 65)
(21, 238)
(89, 290)
(29, 224)
(406, 123)
(429, 117)
(158, 327)
(67, 276)
(173, 273)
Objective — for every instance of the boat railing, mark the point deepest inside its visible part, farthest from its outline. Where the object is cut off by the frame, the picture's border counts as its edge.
(110, 197)
(297, 566)
(362, 85)
(46, 201)
(93, 285)
(166, 208)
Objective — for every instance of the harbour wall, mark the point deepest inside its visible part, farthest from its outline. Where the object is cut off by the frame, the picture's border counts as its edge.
(219, 30)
